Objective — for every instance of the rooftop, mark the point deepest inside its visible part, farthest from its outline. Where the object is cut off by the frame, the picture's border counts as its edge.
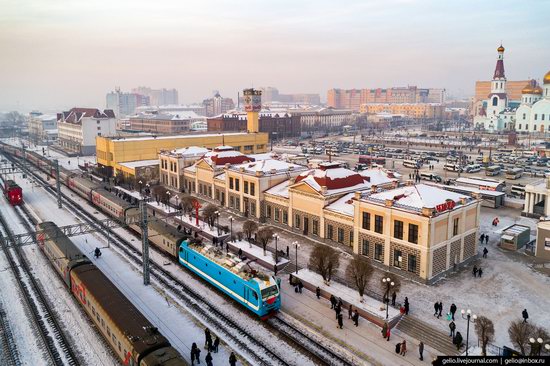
(479, 181)
(267, 167)
(334, 178)
(191, 151)
(169, 137)
(343, 205)
(139, 163)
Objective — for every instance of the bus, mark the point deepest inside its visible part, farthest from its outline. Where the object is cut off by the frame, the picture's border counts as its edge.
(369, 160)
(472, 168)
(514, 173)
(452, 167)
(492, 170)
(518, 190)
(431, 177)
(411, 164)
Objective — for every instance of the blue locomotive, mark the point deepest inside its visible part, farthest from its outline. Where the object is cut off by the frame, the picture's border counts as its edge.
(253, 289)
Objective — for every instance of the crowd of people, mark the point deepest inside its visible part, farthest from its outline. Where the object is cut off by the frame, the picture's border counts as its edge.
(211, 346)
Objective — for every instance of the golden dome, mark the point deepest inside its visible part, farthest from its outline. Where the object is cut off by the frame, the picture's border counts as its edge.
(530, 87)
(546, 79)
(500, 49)
(537, 90)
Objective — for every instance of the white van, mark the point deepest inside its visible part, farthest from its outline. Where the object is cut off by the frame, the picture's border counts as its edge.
(452, 167)
(411, 164)
(431, 177)
(472, 168)
(518, 190)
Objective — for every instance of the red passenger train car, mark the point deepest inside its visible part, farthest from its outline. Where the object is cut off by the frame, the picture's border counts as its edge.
(13, 193)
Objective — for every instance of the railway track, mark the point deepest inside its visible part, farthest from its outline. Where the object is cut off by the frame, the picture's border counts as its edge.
(54, 342)
(209, 313)
(8, 352)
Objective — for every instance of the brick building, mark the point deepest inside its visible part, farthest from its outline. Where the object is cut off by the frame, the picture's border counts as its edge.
(279, 124)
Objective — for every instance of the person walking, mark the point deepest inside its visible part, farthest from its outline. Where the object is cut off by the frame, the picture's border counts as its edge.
(388, 334)
(486, 239)
(452, 327)
(209, 345)
(337, 310)
(208, 359)
(479, 272)
(474, 271)
(403, 348)
(525, 315)
(385, 330)
(332, 302)
(340, 321)
(436, 308)
(207, 337)
(198, 355)
(452, 310)
(393, 297)
(193, 353)
(440, 309)
(356, 318)
(318, 292)
(300, 286)
(421, 350)
(216, 344)
(350, 311)
(481, 238)
(287, 252)
(458, 340)
(485, 251)
(232, 359)
(406, 306)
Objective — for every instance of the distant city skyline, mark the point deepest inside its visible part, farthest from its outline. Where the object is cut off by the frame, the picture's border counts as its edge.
(59, 54)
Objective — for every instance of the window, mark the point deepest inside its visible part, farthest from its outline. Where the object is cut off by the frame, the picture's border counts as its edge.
(397, 257)
(413, 233)
(524, 116)
(268, 211)
(378, 224)
(297, 221)
(534, 127)
(536, 115)
(495, 101)
(365, 247)
(231, 202)
(366, 221)
(245, 188)
(411, 265)
(330, 232)
(248, 147)
(398, 229)
(455, 226)
(285, 217)
(277, 213)
(519, 127)
(252, 189)
(378, 252)
(237, 186)
(351, 237)
(542, 117)
(99, 128)
(340, 235)
(231, 183)
(315, 227)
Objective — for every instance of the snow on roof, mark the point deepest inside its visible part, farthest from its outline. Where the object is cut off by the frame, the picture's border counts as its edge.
(269, 166)
(479, 181)
(220, 177)
(263, 156)
(190, 151)
(139, 163)
(343, 205)
(415, 197)
(379, 177)
(168, 137)
(335, 178)
(280, 189)
(470, 190)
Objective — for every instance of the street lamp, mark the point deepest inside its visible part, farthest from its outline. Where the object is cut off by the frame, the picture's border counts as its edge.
(389, 283)
(168, 200)
(276, 237)
(538, 343)
(231, 228)
(140, 186)
(217, 213)
(296, 246)
(470, 318)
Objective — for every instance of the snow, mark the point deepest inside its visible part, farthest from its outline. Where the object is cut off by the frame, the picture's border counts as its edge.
(269, 166)
(257, 252)
(193, 151)
(220, 177)
(343, 205)
(471, 190)
(139, 163)
(169, 137)
(203, 226)
(377, 177)
(130, 193)
(417, 196)
(280, 189)
(162, 207)
(478, 181)
(348, 295)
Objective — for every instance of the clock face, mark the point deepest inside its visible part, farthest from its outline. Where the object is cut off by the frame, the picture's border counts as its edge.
(247, 99)
(256, 99)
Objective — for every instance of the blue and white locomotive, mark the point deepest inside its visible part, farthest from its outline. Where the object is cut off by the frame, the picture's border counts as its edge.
(257, 291)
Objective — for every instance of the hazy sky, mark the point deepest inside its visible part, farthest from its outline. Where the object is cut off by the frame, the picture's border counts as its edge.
(57, 54)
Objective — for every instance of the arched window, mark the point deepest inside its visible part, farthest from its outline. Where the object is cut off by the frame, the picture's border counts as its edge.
(495, 101)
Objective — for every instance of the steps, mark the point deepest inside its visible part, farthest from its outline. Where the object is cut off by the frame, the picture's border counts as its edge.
(438, 340)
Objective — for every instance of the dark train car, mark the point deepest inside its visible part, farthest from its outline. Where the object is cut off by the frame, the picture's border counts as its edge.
(60, 250)
(112, 205)
(132, 337)
(12, 192)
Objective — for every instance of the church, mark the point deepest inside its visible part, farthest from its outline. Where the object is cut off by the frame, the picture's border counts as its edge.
(499, 113)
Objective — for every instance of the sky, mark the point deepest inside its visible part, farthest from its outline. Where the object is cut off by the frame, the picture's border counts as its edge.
(57, 54)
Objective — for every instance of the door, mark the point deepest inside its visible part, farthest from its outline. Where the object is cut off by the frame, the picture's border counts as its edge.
(306, 225)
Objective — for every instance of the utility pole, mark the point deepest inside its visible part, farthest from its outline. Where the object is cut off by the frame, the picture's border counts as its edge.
(58, 183)
(144, 242)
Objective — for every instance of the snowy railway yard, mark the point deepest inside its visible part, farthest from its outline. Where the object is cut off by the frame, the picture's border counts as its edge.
(509, 284)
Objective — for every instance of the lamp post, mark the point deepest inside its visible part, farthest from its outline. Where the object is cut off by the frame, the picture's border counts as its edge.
(296, 246)
(538, 342)
(140, 186)
(389, 283)
(231, 228)
(217, 213)
(168, 200)
(147, 189)
(276, 237)
(467, 314)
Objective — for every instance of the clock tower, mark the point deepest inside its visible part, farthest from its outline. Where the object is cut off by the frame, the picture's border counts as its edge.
(252, 106)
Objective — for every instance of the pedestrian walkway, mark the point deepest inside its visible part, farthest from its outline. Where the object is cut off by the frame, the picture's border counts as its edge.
(429, 335)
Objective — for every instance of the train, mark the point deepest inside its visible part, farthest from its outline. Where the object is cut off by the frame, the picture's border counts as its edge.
(12, 192)
(166, 238)
(256, 291)
(133, 339)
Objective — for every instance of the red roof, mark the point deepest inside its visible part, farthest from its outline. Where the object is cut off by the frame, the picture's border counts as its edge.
(333, 176)
(75, 115)
(499, 70)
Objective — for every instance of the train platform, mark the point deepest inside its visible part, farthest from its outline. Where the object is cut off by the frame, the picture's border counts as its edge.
(365, 340)
(256, 253)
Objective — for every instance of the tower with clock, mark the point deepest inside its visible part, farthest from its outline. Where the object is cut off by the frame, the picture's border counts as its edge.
(252, 106)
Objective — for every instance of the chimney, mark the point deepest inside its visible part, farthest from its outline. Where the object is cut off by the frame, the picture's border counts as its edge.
(410, 182)
(291, 167)
(463, 200)
(323, 189)
(291, 181)
(241, 169)
(273, 171)
(395, 184)
(373, 188)
(427, 212)
(259, 173)
(389, 202)
(357, 195)
(227, 165)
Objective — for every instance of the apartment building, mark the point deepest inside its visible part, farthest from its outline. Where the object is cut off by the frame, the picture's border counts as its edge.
(411, 110)
(164, 123)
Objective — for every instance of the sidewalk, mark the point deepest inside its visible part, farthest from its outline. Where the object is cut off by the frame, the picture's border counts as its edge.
(365, 340)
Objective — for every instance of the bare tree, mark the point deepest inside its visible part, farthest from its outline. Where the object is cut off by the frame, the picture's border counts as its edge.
(325, 261)
(14, 118)
(209, 214)
(186, 202)
(360, 271)
(485, 331)
(264, 235)
(519, 333)
(158, 193)
(249, 228)
(387, 290)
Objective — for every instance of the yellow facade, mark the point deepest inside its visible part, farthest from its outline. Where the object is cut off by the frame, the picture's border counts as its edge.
(110, 151)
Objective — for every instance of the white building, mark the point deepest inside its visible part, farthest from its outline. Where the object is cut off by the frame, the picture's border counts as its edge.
(124, 104)
(43, 126)
(533, 115)
(79, 127)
